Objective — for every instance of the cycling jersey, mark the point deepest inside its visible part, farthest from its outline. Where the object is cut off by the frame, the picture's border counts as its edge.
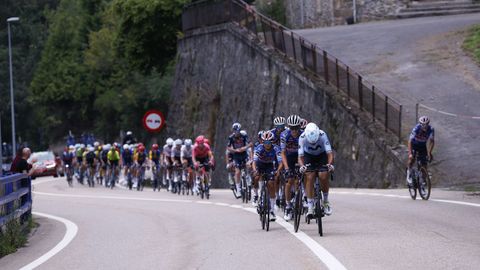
(186, 152)
(89, 157)
(127, 157)
(140, 157)
(104, 156)
(262, 155)
(67, 157)
(155, 156)
(288, 143)
(277, 133)
(322, 145)
(176, 152)
(237, 142)
(419, 136)
(113, 155)
(200, 153)
(167, 150)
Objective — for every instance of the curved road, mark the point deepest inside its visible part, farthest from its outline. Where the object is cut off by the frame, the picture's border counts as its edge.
(420, 60)
(370, 229)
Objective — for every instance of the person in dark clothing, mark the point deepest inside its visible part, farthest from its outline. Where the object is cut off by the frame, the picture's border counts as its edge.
(129, 139)
(18, 157)
(22, 165)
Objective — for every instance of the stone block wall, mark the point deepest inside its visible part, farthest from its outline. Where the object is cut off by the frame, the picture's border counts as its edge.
(224, 75)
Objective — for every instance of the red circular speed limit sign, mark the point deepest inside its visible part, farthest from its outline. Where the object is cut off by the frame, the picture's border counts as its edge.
(153, 121)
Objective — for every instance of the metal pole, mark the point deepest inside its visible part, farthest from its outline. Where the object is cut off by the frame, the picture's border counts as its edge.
(1, 146)
(354, 11)
(14, 143)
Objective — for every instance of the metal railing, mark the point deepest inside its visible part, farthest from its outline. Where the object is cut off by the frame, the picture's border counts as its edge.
(15, 197)
(308, 55)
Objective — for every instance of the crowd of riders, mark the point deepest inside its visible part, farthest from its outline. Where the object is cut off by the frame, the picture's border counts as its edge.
(180, 166)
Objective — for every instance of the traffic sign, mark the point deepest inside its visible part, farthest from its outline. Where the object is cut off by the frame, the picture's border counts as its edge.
(153, 121)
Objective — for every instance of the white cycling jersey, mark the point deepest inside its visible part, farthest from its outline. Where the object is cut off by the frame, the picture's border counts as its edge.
(167, 150)
(186, 152)
(320, 146)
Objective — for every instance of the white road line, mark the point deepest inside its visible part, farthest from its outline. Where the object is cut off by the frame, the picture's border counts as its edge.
(109, 197)
(71, 232)
(222, 204)
(402, 197)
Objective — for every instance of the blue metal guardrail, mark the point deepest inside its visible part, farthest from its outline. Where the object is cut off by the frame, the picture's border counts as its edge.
(15, 197)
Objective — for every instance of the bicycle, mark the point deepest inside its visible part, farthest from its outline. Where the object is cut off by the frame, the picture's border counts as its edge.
(90, 173)
(420, 180)
(319, 210)
(246, 185)
(202, 182)
(129, 177)
(298, 207)
(141, 177)
(69, 174)
(177, 178)
(156, 177)
(263, 207)
(113, 174)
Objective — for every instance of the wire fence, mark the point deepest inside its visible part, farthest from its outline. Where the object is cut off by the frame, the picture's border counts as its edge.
(308, 55)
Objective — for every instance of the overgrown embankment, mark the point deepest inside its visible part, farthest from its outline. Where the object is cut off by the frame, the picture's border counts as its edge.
(472, 43)
(14, 235)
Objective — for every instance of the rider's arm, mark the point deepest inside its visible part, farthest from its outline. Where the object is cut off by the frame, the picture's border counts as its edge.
(210, 155)
(330, 157)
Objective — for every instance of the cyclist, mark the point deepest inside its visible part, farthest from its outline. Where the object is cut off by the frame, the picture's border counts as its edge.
(230, 168)
(279, 127)
(79, 164)
(127, 161)
(129, 139)
(104, 166)
(266, 157)
(186, 157)
(113, 156)
(259, 139)
(67, 158)
(89, 163)
(167, 162)
(176, 162)
(315, 152)
(140, 159)
(98, 161)
(239, 144)
(421, 134)
(303, 124)
(201, 154)
(154, 156)
(289, 146)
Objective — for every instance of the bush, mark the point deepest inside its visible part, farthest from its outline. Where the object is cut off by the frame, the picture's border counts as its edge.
(472, 43)
(14, 235)
(275, 10)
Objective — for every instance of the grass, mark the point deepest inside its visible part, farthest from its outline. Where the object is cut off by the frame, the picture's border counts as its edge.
(14, 235)
(472, 43)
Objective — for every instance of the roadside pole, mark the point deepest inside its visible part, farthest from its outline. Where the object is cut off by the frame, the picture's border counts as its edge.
(1, 146)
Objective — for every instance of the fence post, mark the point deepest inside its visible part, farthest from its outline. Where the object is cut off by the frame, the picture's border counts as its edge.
(348, 82)
(373, 102)
(400, 125)
(246, 18)
(360, 92)
(1, 153)
(337, 73)
(302, 51)
(284, 48)
(293, 46)
(325, 65)
(386, 113)
(264, 30)
(314, 59)
(273, 35)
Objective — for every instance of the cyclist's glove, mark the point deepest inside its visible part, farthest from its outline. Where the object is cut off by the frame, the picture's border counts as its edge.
(302, 169)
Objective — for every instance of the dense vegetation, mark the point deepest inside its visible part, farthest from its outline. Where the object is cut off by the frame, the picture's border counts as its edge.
(87, 65)
(472, 43)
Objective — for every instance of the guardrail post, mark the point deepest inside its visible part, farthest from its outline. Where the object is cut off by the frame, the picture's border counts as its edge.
(337, 73)
(386, 113)
(273, 36)
(284, 47)
(400, 125)
(348, 83)
(360, 92)
(314, 59)
(325, 65)
(293, 46)
(373, 102)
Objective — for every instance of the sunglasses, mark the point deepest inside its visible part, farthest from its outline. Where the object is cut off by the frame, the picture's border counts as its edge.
(295, 128)
(267, 142)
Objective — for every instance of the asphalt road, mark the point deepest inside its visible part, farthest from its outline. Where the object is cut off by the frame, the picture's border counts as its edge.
(369, 229)
(420, 60)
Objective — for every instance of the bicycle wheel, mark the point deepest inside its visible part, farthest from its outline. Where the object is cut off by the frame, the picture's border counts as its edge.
(266, 207)
(319, 215)
(297, 209)
(244, 190)
(412, 188)
(262, 209)
(424, 184)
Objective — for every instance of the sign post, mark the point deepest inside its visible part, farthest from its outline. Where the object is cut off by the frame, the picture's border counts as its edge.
(153, 121)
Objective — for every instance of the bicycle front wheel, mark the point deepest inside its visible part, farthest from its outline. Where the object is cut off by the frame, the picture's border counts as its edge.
(425, 184)
(319, 214)
(297, 210)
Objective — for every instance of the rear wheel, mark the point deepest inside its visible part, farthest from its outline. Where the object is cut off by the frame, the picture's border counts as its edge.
(412, 188)
(319, 214)
(424, 184)
(263, 209)
(266, 207)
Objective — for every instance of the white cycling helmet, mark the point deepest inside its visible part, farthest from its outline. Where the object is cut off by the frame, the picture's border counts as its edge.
(303, 123)
(169, 141)
(188, 142)
(279, 121)
(243, 132)
(82, 146)
(312, 133)
(129, 133)
(71, 147)
(96, 144)
(90, 149)
(236, 126)
(126, 147)
(267, 136)
(294, 120)
(424, 120)
(178, 142)
(108, 146)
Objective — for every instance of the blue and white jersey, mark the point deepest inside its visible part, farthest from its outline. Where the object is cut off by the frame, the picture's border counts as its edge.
(276, 136)
(320, 146)
(263, 155)
(288, 143)
(420, 137)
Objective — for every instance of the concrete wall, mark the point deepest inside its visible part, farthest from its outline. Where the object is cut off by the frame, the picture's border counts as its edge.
(317, 13)
(223, 75)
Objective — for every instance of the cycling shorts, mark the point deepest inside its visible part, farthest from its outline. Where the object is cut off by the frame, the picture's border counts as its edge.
(315, 162)
(265, 168)
(420, 151)
(292, 160)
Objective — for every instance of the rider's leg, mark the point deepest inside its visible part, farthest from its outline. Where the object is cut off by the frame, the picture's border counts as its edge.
(237, 179)
(271, 191)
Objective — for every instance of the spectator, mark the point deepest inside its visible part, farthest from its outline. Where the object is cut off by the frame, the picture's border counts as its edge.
(17, 158)
(22, 165)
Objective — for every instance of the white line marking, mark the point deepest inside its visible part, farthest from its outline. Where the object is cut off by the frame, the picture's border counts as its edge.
(109, 197)
(222, 204)
(71, 232)
(456, 202)
(203, 202)
(236, 206)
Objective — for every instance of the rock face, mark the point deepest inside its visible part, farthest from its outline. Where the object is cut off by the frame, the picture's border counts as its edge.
(317, 13)
(224, 75)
